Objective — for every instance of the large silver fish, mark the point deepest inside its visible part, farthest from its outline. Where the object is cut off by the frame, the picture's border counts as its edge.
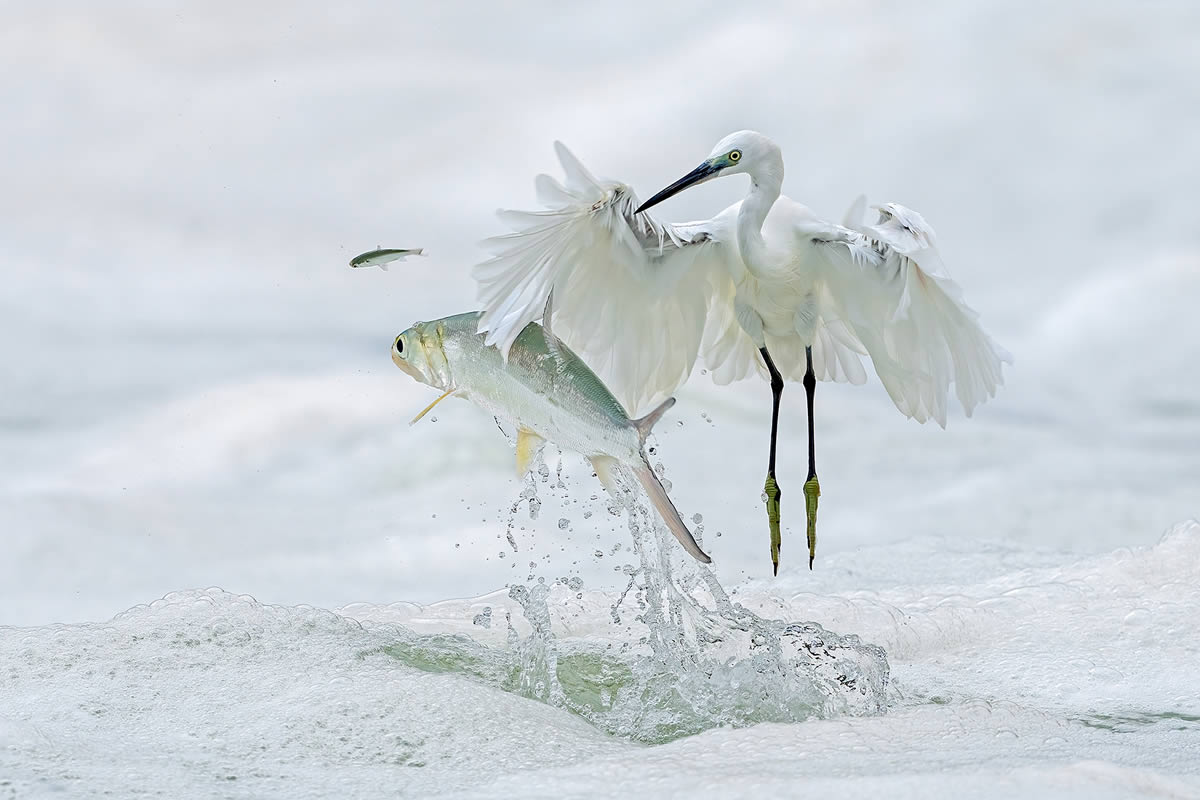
(547, 392)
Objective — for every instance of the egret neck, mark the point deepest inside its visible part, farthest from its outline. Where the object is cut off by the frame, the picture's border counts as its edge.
(766, 184)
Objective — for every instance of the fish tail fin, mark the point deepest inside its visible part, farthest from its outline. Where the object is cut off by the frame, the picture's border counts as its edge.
(662, 503)
(644, 424)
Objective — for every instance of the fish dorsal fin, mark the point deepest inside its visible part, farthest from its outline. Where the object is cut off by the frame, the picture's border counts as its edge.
(604, 466)
(644, 424)
(528, 444)
(553, 343)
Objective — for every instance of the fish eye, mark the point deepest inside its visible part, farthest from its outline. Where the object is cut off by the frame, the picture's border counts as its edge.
(399, 345)
(735, 156)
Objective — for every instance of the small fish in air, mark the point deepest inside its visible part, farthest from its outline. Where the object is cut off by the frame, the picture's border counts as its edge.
(381, 257)
(547, 392)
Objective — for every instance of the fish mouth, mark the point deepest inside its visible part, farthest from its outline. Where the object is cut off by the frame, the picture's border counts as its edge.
(700, 174)
(408, 368)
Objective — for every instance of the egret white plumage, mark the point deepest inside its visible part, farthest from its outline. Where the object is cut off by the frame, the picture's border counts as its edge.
(764, 284)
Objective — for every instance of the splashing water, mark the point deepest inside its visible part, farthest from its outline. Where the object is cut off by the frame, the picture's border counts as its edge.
(690, 660)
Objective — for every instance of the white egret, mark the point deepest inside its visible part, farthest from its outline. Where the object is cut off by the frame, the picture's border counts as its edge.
(764, 284)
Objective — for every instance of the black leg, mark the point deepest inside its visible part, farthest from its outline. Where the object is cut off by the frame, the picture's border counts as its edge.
(812, 488)
(772, 486)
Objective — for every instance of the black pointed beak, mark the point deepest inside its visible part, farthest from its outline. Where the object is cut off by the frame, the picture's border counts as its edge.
(699, 175)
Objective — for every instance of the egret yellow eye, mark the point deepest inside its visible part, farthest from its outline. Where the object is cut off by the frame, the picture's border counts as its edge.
(735, 156)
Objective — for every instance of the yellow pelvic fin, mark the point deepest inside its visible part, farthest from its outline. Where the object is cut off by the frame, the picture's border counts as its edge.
(528, 443)
(604, 466)
(429, 407)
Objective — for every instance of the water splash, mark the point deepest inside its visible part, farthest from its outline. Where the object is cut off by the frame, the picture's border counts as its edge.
(687, 659)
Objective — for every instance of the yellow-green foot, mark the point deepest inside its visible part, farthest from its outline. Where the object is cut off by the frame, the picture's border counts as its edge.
(773, 494)
(812, 491)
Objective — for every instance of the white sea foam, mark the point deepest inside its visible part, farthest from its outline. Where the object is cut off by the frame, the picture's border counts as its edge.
(1000, 687)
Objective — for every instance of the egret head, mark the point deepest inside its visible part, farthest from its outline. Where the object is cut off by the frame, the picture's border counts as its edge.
(745, 151)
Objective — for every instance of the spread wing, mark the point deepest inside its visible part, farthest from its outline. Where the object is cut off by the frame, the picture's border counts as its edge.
(889, 286)
(632, 295)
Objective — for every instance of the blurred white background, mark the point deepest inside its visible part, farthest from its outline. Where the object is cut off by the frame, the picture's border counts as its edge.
(197, 389)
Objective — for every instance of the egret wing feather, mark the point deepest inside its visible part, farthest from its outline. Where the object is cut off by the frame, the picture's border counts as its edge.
(886, 282)
(631, 294)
